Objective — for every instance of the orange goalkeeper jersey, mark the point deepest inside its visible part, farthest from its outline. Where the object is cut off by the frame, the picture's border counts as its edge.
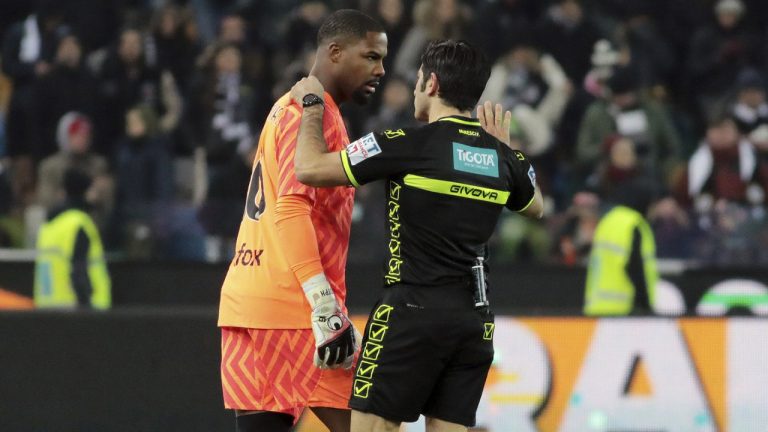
(260, 289)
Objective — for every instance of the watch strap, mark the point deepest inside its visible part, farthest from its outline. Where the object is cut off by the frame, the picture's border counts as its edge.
(311, 100)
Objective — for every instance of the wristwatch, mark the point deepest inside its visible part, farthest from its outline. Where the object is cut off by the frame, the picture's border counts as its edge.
(311, 99)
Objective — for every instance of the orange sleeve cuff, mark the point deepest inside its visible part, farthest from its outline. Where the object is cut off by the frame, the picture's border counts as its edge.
(297, 236)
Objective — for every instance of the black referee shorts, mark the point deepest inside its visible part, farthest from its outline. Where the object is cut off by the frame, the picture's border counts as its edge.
(425, 350)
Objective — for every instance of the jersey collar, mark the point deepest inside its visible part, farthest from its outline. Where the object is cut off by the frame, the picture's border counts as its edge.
(466, 121)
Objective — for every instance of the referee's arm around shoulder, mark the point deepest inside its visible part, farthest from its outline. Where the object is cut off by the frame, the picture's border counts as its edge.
(313, 163)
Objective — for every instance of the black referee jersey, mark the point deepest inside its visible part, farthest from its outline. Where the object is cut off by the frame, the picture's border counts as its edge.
(446, 185)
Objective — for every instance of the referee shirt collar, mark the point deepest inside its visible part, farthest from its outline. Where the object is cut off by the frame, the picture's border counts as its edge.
(466, 121)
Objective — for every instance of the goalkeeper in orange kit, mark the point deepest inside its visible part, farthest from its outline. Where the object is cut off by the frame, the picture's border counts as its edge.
(287, 342)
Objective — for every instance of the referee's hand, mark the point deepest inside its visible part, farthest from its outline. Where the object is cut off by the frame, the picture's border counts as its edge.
(305, 86)
(495, 121)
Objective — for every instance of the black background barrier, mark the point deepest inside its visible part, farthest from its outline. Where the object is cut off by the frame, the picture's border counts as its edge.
(129, 370)
(540, 288)
(516, 288)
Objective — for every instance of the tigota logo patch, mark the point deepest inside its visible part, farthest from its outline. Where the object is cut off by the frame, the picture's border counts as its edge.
(475, 160)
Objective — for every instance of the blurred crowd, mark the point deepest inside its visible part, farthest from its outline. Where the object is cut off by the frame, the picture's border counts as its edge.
(161, 104)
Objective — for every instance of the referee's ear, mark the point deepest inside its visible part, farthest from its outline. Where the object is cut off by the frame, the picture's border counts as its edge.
(433, 85)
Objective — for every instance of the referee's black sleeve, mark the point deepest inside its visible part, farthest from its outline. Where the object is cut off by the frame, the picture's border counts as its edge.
(377, 156)
(522, 181)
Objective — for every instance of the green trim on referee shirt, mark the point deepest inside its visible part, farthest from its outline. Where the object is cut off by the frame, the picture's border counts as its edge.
(529, 203)
(460, 121)
(462, 190)
(348, 168)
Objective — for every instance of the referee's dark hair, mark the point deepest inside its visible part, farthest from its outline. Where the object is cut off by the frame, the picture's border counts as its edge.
(347, 24)
(462, 71)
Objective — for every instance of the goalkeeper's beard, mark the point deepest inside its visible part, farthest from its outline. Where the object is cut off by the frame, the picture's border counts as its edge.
(361, 97)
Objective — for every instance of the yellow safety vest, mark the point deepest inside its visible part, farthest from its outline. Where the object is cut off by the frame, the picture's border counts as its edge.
(609, 289)
(53, 267)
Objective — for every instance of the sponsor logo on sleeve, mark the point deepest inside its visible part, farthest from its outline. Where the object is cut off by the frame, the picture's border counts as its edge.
(363, 149)
(532, 176)
(475, 160)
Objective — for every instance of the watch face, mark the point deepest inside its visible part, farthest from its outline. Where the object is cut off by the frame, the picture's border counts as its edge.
(311, 99)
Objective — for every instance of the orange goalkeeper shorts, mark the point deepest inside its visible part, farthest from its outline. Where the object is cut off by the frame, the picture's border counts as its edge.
(273, 370)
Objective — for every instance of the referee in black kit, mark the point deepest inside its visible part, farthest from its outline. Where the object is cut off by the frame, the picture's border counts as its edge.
(428, 344)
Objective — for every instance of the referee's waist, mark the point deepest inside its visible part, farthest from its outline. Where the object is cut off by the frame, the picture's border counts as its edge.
(454, 295)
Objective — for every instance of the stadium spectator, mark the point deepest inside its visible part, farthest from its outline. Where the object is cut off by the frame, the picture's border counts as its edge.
(618, 165)
(514, 19)
(618, 169)
(750, 109)
(94, 23)
(568, 34)
(536, 89)
(74, 134)
(67, 87)
(574, 229)
(650, 55)
(262, 64)
(432, 19)
(220, 111)
(724, 167)
(144, 175)
(221, 104)
(718, 52)
(127, 79)
(566, 180)
(70, 269)
(395, 17)
(302, 27)
(626, 112)
(29, 49)
(677, 234)
(622, 272)
(724, 189)
(27, 53)
(175, 40)
(233, 30)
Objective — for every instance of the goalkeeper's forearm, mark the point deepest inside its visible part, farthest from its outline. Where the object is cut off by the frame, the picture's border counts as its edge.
(333, 332)
(297, 236)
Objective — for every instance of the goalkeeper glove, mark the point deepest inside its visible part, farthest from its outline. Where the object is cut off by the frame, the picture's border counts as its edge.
(336, 339)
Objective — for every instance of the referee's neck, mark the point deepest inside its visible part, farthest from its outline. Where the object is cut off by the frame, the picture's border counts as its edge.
(439, 110)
